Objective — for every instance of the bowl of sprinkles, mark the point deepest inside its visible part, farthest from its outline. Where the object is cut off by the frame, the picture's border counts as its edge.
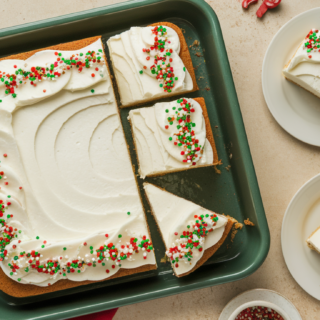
(259, 310)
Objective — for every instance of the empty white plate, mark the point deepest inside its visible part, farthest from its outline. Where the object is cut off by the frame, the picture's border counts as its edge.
(296, 110)
(300, 220)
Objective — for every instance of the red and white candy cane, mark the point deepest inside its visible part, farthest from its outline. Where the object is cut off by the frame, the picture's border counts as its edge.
(246, 3)
(267, 4)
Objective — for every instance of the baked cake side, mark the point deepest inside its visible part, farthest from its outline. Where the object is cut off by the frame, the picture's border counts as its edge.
(191, 234)
(173, 136)
(70, 210)
(150, 63)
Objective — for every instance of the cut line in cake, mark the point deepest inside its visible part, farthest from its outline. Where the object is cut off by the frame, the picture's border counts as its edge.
(191, 233)
(173, 136)
(150, 63)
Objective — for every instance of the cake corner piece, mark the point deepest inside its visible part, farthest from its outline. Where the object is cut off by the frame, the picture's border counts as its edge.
(151, 63)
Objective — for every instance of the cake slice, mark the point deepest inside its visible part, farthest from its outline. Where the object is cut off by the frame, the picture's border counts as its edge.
(173, 136)
(303, 69)
(191, 234)
(313, 241)
(150, 63)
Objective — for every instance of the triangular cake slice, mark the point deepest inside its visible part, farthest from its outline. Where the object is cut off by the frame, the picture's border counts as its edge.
(191, 233)
(313, 241)
(304, 68)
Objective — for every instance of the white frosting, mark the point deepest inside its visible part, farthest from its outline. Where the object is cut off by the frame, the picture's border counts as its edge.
(314, 240)
(304, 67)
(151, 130)
(173, 214)
(67, 150)
(128, 58)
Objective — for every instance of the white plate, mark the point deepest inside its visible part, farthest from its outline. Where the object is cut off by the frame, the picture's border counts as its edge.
(300, 220)
(264, 295)
(296, 110)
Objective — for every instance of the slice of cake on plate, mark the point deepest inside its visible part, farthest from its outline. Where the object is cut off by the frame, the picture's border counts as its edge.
(304, 67)
(173, 136)
(191, 234)
(313, 241)
(70, 208)
(150, 63)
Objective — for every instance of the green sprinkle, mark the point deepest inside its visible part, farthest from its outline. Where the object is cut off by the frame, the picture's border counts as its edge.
(128, 213)
(170, 138)
(64, 248)
(120, 236)
(167, 110)
(37, 237)
(184, 69)
(141, 71)
(92, 90)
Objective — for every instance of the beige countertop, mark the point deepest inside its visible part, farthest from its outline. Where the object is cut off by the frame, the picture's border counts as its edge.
(282, 163)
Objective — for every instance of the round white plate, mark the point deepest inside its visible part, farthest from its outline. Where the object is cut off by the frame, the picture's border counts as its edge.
(296, 110)
(300, 220)
(264, 295)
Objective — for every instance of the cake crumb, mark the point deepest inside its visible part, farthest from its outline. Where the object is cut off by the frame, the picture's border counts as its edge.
(200, 78)
(196, 43)
(164, 259)
(238, 225)
(198, 54)
(207, 88)
(235, 228)
(228, 167)
(248, 223)
(233, 234)
(217, 170)
(183, 31)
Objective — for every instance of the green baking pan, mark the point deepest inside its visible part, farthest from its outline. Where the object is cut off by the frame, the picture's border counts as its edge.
(232, 188)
